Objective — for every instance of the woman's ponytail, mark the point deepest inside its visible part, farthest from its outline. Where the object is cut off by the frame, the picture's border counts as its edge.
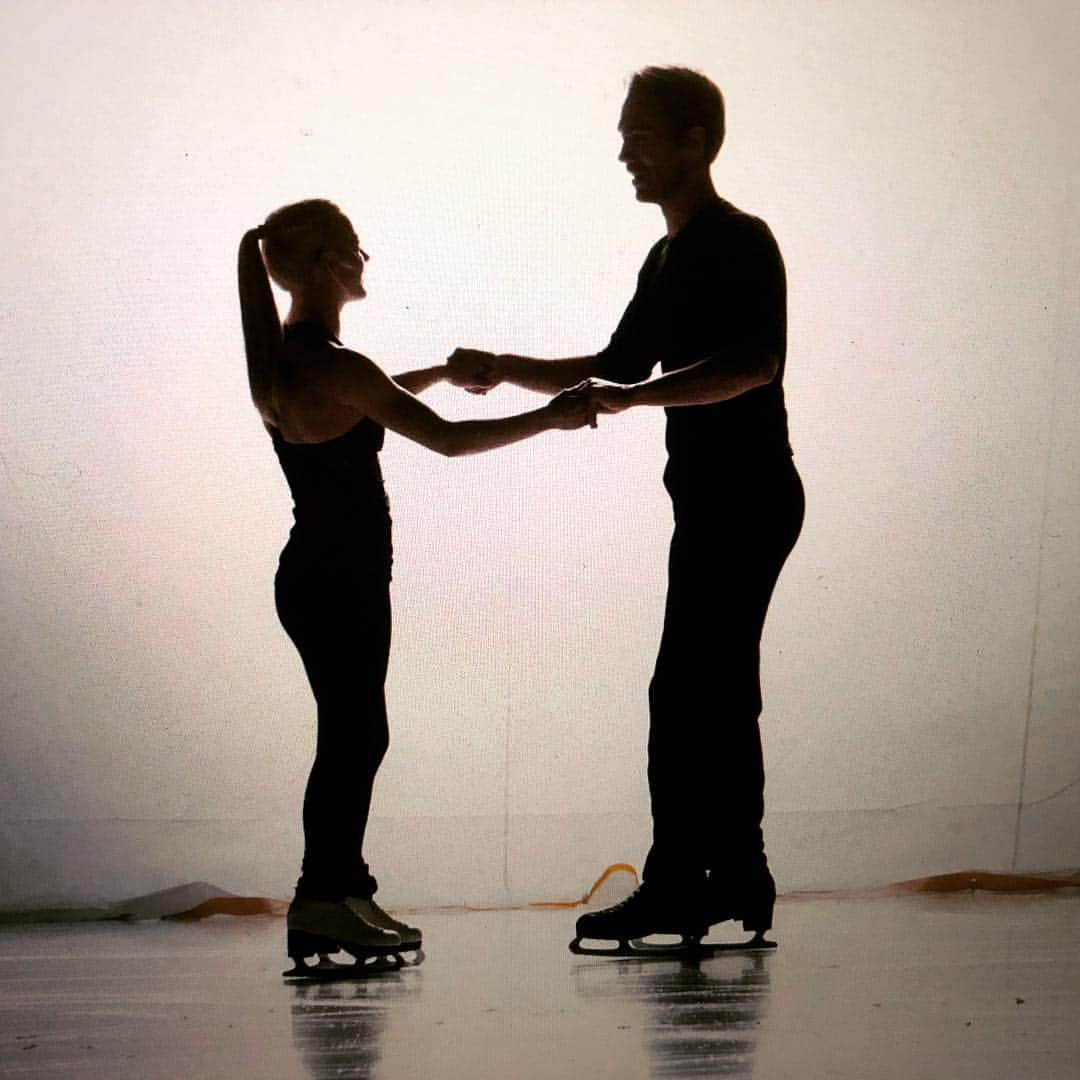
(262, 326)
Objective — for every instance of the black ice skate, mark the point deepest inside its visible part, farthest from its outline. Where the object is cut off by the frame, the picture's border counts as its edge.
(746, 898)
(645, 914)
(323, 927)
(412, 939)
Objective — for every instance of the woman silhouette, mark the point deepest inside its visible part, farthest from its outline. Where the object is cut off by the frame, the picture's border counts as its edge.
(326, 408)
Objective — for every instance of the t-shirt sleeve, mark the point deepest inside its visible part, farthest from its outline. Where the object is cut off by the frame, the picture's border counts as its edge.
(630, 356)
(622, 360)
(750, 288)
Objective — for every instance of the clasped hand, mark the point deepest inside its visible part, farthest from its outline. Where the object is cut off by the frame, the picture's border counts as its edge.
(590, 397)
(474, 369)
(477, 371)
(603, 396)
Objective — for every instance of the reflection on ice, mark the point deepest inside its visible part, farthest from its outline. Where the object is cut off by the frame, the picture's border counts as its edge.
(699, 1016)
(337, 1028)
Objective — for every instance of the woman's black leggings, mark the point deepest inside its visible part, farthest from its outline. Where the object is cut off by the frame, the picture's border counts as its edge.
(339, 621)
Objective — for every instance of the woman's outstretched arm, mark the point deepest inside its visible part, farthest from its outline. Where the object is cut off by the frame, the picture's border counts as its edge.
(418, 381)
(358, 382)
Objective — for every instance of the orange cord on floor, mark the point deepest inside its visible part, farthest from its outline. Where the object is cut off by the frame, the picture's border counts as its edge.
(965, 881)
(615, 868)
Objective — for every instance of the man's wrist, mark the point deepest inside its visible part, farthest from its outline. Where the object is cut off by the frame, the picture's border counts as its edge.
(503, 365)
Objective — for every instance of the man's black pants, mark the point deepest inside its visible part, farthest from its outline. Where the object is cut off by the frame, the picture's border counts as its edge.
(706, 775)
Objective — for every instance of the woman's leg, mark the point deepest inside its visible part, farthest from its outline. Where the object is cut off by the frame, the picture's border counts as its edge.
(341, 628)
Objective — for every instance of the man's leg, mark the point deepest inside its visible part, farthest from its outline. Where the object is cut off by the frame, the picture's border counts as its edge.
(687, 696)
(706, 776)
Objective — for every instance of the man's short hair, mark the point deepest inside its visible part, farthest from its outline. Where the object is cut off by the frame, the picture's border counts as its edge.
(687, 98)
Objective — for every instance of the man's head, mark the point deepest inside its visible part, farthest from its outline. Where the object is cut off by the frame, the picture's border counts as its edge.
(672, 125)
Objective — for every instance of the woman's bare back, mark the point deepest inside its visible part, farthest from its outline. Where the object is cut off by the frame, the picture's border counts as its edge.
(308, 410)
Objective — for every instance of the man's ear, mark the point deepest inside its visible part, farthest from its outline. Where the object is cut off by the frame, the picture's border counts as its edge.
(694, 138)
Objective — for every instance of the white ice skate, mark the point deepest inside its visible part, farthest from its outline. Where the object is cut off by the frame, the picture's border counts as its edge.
(412, 939)
(323, 927)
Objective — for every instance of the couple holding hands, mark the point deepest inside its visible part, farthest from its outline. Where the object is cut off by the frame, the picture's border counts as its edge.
(710, 310)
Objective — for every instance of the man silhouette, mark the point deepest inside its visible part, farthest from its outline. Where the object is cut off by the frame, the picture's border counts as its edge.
(710, 309)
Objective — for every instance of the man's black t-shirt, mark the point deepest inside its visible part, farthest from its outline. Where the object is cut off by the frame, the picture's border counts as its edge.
(715, 288)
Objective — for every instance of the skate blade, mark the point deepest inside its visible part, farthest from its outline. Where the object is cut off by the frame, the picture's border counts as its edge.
(306, 943)
(758, 943)
(411, 957)
(638, 949)
(633, 947)
(327, 970)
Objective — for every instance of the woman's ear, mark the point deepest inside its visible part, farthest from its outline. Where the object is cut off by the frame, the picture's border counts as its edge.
(330, 263)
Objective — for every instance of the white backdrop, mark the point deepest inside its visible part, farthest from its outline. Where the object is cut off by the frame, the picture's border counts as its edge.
(917, 163)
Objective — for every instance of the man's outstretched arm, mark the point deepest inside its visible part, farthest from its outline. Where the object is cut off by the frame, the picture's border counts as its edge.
(479, 371)
(716, 378)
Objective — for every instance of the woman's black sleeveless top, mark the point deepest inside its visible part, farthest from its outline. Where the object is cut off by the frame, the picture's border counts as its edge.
(340, 510)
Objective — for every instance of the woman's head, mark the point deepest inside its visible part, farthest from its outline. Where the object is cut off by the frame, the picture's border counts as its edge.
(310, 249)
(311, 244)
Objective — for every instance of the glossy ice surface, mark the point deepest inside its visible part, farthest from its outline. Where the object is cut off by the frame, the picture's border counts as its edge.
(959, 986)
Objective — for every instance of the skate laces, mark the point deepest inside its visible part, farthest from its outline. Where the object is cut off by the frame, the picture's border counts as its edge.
(357, 907)
(636, 899)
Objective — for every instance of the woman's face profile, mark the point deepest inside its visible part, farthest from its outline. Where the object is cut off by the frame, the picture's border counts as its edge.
(347, 268)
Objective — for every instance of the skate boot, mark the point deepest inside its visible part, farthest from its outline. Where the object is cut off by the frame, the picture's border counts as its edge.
(645, 912)
(321, 927)
(412, 939)
(747, 898)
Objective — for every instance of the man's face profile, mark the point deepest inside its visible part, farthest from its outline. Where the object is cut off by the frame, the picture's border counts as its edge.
(654, 156)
